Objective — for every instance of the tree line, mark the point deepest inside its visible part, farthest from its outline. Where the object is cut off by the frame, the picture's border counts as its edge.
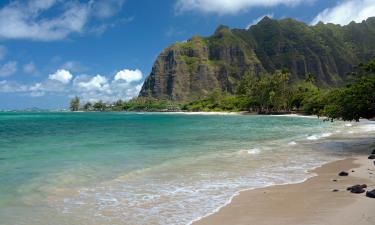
(135, 104)
(270, 94)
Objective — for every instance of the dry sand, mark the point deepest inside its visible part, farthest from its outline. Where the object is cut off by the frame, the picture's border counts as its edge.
(307, 203)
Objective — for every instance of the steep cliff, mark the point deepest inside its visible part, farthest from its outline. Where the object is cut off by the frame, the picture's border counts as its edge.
(191, 69)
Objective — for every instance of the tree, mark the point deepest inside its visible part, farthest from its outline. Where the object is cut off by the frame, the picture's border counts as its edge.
(352, 102)
(99, 106)
(74, 104)
(88, 106)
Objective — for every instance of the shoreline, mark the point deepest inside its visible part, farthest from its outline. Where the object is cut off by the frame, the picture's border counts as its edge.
(254, 206)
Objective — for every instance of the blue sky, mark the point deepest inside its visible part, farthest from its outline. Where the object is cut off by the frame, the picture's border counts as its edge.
(51, 50)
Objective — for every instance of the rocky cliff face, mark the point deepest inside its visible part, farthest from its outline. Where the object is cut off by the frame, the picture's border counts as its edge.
(192, 69)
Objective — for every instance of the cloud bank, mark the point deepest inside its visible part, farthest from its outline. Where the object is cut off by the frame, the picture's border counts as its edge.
(347, 11)
(28, 20)
(230, 6)
(125, 84)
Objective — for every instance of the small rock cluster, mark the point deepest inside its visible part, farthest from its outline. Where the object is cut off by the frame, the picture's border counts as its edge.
(359, 188)
(371, 194)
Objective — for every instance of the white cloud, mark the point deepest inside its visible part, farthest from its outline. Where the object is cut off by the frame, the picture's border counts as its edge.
(8, 69)
(230, 6)
(47, 86)
(63, 76)
(40, 19)
(3, 52)
(22, 20)
(30, 68)
(128, 75)
(10, 87)
(125, 85)
(87, 83)
(347, 11)
(100, 29)
(35, 90)
(255, 21)
(73, 66)
(107, 8)
(88, 88)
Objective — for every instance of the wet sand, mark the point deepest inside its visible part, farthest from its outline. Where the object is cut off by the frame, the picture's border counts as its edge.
(310, 202)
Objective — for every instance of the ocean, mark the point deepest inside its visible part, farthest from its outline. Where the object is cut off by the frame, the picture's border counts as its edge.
(153, 168)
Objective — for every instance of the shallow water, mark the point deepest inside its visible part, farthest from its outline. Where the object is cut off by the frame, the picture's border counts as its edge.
(150, 168)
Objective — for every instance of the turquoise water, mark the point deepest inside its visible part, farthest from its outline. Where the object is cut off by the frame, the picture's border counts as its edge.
(135, 168)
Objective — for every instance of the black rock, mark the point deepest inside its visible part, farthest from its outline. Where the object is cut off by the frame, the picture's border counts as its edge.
(371, 194)
(335, 190)
(357, 189)
(372, 156)
(353, 171)
(373, 152)
(334, 180)
(343, 174)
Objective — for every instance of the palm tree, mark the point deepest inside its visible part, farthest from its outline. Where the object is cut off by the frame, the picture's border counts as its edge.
(74, 104)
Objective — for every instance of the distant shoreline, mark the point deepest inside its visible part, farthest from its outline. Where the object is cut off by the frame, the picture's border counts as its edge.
(281, 114)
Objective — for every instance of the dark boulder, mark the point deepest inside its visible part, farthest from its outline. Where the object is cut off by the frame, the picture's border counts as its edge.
(373, 152)
(357, 189)
(335, 190)
(343, 174)
(372, 156)
(371, 194)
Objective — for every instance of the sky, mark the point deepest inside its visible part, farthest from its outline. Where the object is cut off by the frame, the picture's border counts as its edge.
(53, 50)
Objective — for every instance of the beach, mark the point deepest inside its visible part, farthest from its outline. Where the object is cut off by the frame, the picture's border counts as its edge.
(310, 202)
(176, 168)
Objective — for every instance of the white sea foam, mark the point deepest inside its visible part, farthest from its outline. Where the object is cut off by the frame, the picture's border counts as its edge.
(292, 143)
(312, 137)
(252, 151)
(204, 113)
(369, 127)
(296, 115)
(162, 196)
(318, 136)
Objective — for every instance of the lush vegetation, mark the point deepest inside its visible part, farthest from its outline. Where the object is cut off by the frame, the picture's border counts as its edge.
(270, 94)
(136, 104)
(274, 93)
(74, 104)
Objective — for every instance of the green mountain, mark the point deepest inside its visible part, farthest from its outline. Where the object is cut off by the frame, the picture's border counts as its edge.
(192, 69)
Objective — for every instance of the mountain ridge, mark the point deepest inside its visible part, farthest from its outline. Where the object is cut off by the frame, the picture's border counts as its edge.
(192, 69)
